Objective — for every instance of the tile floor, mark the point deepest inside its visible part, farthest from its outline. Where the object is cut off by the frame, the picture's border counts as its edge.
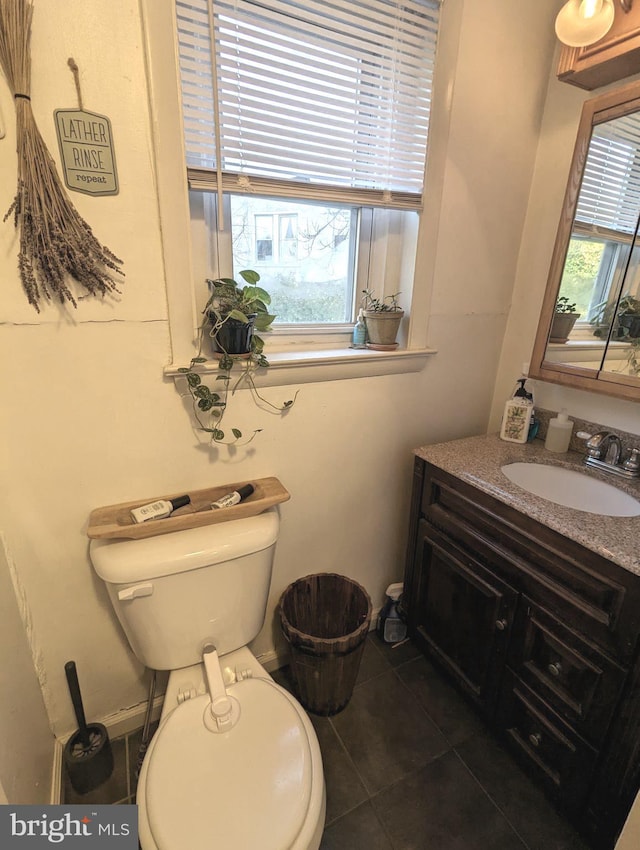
(408, 766)
(121, 785)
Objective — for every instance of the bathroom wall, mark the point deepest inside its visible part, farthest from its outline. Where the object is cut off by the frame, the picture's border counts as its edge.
(89, 420)
(557, 139)
(26, 742)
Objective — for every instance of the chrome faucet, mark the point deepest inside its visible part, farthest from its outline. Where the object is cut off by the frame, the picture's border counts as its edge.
(604, 451)
(605, 446)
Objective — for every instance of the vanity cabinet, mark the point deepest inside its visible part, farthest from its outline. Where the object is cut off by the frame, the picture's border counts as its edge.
(540, 633)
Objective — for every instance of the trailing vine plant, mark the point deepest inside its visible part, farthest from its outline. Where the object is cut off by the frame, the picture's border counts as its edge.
(229, 302)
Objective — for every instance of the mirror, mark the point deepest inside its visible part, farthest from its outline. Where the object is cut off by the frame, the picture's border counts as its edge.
(589, 331)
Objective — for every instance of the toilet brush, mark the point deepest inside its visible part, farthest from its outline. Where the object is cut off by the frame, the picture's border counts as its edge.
(87, 753)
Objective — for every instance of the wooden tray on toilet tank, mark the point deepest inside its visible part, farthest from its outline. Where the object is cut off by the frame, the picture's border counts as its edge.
(115, 520)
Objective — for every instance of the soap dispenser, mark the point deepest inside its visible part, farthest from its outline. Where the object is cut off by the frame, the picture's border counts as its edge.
(559, 433)
(518, 415)
(522, 392)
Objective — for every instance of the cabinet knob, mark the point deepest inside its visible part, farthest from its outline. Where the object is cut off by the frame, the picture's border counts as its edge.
(501, 625)
(535, 739)
(555, 668)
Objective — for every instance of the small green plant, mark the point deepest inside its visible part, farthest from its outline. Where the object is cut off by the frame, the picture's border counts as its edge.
(389, 304)
(563, 305)
(230, 301)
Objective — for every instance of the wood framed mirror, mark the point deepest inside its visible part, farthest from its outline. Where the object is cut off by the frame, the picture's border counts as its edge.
(588, 336)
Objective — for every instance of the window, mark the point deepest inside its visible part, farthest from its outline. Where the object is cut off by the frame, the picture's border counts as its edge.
(308, 122)
(308, 268)
(600, 251)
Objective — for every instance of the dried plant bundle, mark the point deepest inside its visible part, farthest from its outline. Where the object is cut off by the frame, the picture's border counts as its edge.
(55, 241)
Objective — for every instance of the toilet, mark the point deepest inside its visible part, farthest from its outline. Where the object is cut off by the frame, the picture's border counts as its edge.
(235, 761)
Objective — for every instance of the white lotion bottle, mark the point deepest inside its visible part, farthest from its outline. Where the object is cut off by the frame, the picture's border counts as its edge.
(559, 433)
(160, 509)
(234, 498)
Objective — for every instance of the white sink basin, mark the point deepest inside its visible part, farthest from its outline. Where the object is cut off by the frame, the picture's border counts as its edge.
(572, 489)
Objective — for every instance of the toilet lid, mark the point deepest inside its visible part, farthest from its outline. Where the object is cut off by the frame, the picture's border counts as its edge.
(243, 789)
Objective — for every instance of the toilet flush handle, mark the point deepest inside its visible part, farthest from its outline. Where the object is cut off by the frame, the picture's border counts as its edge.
(136, 591)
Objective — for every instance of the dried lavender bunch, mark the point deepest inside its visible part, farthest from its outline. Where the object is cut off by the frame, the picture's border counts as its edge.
(56, 243)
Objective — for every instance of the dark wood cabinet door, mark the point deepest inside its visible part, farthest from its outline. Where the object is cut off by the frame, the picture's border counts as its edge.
(463, 615)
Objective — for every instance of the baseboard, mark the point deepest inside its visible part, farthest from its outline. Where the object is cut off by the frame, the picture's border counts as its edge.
(130, 719)
(56, 775)
(274, 659)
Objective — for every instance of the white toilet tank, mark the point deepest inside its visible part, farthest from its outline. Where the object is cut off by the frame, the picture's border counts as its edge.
(175, 592)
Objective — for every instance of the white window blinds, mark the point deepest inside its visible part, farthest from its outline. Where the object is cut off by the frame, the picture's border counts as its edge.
(610, 191)
(324, 99)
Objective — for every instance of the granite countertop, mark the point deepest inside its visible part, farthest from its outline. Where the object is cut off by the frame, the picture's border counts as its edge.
(477, 460)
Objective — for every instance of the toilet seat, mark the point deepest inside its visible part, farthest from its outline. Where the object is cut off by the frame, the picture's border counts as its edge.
(246, 788)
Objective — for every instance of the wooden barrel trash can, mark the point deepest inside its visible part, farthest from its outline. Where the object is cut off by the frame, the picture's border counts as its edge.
(325, 618)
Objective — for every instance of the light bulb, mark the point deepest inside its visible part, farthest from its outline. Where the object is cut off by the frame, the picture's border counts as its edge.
(583, 22)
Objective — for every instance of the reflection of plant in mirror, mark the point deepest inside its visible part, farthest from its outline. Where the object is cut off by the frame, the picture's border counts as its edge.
(633, 359)
(563, 305)
(625, 312)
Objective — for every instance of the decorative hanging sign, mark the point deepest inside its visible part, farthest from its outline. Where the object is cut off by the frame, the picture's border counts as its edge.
(86, 150)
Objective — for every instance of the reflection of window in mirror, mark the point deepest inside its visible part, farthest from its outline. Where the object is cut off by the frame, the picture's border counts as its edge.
(588, 336)
(598, 258)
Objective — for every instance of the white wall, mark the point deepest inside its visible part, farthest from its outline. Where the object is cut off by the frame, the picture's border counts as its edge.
(557, 139)
(90, 421)
(26, 742)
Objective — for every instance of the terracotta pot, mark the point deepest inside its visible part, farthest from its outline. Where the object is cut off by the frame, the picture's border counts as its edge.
(562, 326)
(382, 327)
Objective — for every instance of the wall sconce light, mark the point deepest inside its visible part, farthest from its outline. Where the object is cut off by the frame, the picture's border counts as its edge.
(583, 22)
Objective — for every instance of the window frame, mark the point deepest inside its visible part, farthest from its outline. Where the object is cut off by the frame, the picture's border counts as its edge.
(306, 358)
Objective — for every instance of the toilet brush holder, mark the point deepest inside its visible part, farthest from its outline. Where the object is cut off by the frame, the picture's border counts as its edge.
(87, 754)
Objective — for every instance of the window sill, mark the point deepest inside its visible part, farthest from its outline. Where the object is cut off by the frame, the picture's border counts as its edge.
(308, 366)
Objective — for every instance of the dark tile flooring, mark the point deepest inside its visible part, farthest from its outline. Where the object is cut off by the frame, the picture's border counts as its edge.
(408, 766)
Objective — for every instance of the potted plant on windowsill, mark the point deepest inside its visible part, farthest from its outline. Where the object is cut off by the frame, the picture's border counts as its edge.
(232, 315)
(382, 318)
(564, 319)
(235, 312)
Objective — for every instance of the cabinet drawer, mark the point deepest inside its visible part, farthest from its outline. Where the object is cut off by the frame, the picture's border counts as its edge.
(562, 761)
(571, 675)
